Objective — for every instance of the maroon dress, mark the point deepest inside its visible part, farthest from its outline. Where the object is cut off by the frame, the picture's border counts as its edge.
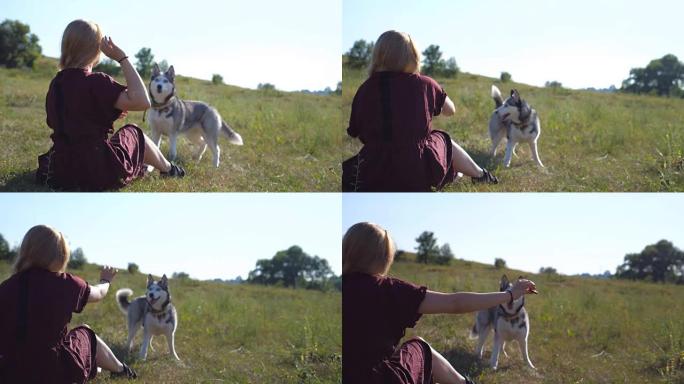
(392, 116)
(35, 346)
(376, 311)
(80, 111)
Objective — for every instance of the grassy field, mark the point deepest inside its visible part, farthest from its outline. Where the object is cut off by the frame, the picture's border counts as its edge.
(581, 330)
(290, 138)
(589, 141)
(228, 334)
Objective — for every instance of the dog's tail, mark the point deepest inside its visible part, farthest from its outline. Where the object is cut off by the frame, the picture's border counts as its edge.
(496, 95)
(122, 296)
(473, 332)
(233, 137)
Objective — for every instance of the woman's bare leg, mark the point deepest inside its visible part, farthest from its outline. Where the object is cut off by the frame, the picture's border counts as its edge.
(443, 372)
(154, 157)
(105, 357)
(463, 163)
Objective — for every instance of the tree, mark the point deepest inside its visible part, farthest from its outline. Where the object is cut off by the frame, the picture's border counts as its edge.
(266, 87)
(338, 89)
(180, 276)
(659, 262)
(5, 253)
(548, 271)
(217, 79)
(553, 84)
(427, 247)
(18, 46)
(360, 54)
(663, 77)
(451, 69)
(77, 259)
(499, 263)
(505, 77)
(292, 268)
(399, 255)
(145, 61)
(432, 60)
(445, 255)
(133, 268)
(109, 67)
(164, 65)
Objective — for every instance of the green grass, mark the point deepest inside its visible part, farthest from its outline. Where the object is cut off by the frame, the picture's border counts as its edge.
(290, 138)
(588, 142)
(230, 334)
(581, 330)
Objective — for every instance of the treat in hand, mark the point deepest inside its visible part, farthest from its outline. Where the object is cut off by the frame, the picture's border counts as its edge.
(110, 49)
(108, 273)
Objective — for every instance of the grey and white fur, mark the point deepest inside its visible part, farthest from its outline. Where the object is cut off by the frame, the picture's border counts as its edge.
(514, 119)
(509, 322)
(171, 116)
(154, 312)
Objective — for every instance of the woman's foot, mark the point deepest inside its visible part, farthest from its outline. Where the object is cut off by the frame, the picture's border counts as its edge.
(175, 171)
(485, 178)
(127, 372)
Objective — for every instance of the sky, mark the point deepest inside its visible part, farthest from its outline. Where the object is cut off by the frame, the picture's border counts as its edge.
(208, 235)
(292, 44)
(581, 43)
(574, 233)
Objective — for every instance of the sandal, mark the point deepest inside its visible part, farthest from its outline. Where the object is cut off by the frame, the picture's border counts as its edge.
(127, 372)
(485, 178)
(175, 171)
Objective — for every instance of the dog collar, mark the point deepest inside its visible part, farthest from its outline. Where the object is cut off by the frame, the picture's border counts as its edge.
(514, 314)
(164, 104)
(163, 308)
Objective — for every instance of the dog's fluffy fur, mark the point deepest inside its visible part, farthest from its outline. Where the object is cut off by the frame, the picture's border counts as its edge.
(171, 116)
(517, 121)
(154, 312)
(509, 322)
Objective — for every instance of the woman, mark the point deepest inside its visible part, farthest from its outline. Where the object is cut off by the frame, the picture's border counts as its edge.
(81, 107)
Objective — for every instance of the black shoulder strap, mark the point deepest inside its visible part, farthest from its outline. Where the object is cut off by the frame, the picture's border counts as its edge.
(386, 106)
(22, 313)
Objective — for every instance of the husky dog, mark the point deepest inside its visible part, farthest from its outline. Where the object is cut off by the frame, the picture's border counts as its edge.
(172, 116)
(515, 119)
(154, 312)
(510, 322)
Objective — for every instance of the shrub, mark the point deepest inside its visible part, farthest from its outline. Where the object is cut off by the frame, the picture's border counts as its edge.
(505, 77)
(18, 47)
(499, 263)
(77, 259)
(133, 268)
(109, 67)
(216, 79)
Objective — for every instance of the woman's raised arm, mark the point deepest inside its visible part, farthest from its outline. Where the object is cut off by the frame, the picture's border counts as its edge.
(464, 302)
(135, 98)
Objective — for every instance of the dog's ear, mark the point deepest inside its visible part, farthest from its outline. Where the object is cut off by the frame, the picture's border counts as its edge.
(155, 70)
(171, 74)
(150, 280)
(164, 282)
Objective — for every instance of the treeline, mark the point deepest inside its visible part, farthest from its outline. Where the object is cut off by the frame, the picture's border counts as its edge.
(294, 268)
(661, 77)
(428, 251)
(433, 64)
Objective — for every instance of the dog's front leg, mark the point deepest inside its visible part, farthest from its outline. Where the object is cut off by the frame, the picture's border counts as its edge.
(494, 361)
(535, 153)
(523, 351)
(173, 139)
(147, 339)
(482, 337)
(510, 148)
(171, 340)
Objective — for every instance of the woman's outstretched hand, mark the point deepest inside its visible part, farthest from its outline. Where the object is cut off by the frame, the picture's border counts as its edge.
(108, 273)
(522, 287)
(111, 50)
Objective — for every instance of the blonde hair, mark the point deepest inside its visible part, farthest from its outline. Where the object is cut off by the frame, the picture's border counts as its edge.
(395, 51)
(42, 247)
(80, 44)
(367, 248)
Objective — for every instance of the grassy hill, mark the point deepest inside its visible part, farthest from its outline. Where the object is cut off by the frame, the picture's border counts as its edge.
(231, 334)
(289, 137)
(589, 141)
(581, 331)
